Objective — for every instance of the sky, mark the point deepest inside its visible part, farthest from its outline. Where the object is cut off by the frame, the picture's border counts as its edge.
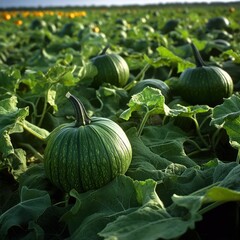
(43, 3)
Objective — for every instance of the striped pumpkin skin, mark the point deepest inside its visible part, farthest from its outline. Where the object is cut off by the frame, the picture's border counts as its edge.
(86, 157)
(205, 85)
(112, 68)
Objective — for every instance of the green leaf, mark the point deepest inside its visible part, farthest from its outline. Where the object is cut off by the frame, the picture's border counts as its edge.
(61, 74)
(110, 98)
(188, 111)
(87, 72)
(149, 99)
(227, 115)
(151, 222)
(194, 180)
(34, 178)
(98, 208)
(221, 194)
(38, 132)
(11, 119)
(31, 206)
(167, 141)
(10, 79)
(231, 53)
(228, 110)
(51, 96)
(147, 223)
(233, 130)
(232, 178)
(167, 58)
(145, 164)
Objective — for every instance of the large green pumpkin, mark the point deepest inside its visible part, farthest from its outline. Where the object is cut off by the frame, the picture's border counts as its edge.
(204, 84)
(217, 23)
(86, 154)
(112, 68)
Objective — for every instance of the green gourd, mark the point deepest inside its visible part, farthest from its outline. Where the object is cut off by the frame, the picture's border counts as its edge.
(204, 84)
(217, 23)
(86, 154)
(111, 68)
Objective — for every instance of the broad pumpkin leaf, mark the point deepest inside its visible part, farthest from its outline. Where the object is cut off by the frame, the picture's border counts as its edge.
(87, 72)
(188, 111)
(11, 119)
(61, 74)
(40, 133)
(221, 194)
(227, 111)
(31, 206)
(34, 178)
(10, 79)
(97, 208)
(227, 115)
(170, 143)
(110, 98)
(149, 99)
(233, 130)
(230, 53)
(184, 211)
(145, 163)
(148, 223)
(196, 180)
(151, 222)
(168, 58)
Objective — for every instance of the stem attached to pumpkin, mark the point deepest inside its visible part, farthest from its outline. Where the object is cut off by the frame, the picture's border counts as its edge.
(104, 50)
(82, 117)
(197, 56)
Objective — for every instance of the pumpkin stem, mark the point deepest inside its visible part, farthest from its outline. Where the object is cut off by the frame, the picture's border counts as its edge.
(104, 50)
(82, 117)
(198, 58)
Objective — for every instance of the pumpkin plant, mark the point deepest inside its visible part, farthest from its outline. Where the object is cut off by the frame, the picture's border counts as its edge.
(112, 68)
(86, 154)
(204, 84)
(155, 83)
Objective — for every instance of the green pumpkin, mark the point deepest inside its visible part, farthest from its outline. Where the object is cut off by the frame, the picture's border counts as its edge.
(217, 23)
(233, 69)
(86, 154)
(204, 84)
(170, 25)
(112, 68)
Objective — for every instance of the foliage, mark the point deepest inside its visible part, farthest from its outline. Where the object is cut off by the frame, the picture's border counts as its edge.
(184, 174)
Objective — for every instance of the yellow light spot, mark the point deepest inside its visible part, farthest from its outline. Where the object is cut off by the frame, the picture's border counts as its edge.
(18, 22)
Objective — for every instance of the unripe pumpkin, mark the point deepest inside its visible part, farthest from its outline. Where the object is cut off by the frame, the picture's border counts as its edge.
(217, 23)
(112, 68)
(86, 154)
(204, 84)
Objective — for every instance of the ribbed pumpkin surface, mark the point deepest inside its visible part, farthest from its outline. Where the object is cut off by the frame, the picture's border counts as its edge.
(112, 68)
(86, 157)
(205, 85)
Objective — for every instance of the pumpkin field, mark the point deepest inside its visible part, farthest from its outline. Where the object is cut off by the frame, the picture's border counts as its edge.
(120, 123)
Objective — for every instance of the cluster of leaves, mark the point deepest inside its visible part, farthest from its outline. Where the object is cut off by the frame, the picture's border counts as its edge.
(185, 158)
